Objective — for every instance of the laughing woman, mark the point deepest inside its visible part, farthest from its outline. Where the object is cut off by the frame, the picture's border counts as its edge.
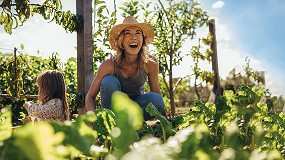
(129, 69)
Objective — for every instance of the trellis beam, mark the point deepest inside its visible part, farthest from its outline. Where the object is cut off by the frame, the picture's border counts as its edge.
(84, 48)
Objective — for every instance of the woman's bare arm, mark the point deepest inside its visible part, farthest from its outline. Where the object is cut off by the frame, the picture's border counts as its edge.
(107, 67)
(152, 69)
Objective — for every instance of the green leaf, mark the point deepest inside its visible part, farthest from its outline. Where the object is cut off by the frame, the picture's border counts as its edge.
(5, 124)
(22, 47)
(82, 125)
(39, 141)
(73, 138)
(129, 117)
(122, 103)
(105, 121)
(166, 125)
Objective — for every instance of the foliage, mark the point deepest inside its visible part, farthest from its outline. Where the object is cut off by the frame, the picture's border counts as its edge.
(15, 13)
(129, 118)
(239, 126)
(5, 124)
(257, 76)
(166, 126)
(198, 56)
(249, 76)
(104, 19)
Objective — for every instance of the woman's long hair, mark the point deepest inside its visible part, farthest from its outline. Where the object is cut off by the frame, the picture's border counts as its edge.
(51, 85)
(143, 55)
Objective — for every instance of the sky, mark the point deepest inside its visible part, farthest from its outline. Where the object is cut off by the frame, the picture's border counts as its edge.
(244, 28)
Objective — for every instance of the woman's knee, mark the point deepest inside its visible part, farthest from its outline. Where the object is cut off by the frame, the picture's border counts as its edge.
(109, 85)
(110, 82)
(157, 101)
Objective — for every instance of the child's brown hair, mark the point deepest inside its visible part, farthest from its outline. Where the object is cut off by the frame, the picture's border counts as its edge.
(51, 85)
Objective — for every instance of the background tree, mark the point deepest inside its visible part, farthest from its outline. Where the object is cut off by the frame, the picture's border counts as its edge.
(278, 104)
(253, 75)
(246, 76)
(175, 22)
(201, 53)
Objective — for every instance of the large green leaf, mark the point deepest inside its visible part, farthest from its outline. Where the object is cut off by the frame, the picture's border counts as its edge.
(38, 141)
(165, 124)
(72, 138)
(123, 104)
(105, 121)
(129, 118)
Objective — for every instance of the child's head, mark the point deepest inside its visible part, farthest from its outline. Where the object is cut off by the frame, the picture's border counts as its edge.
(51, 85)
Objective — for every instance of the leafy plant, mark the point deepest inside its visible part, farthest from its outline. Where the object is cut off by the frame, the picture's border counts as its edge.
(228, 132)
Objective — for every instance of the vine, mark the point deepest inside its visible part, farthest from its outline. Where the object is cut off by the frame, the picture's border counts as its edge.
(20, 11)
(14, 77)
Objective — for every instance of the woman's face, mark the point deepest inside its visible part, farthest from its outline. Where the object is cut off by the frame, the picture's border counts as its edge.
(133, 40)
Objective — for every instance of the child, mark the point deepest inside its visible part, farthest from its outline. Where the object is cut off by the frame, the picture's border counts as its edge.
(52, 97)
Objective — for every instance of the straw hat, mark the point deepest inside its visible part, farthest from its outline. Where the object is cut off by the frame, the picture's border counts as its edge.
(130, 21)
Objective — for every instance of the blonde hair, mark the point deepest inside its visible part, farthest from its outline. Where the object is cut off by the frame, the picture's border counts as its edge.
(52, 85)
(143, 56)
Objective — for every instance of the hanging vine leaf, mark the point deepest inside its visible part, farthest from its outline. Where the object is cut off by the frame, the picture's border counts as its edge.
(20, 11)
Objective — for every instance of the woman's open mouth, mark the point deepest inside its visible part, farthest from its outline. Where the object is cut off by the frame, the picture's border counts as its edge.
(133, 45)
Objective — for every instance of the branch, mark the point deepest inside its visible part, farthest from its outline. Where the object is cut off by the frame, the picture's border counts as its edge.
(12, 5)
(167, 17)
(21, 96)
(178, 40)
(164, 36)
(165, 12)
(115, 8)
(37, 5)
(167, 87)
(177, 83)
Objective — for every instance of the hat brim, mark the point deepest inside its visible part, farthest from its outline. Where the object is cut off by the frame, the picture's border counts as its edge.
(146, 28)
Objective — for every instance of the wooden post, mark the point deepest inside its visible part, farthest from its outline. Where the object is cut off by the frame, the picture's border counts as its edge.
(84, 50)
(3, 96)
(215, 68)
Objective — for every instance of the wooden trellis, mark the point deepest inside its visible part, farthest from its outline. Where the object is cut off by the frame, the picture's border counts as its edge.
(84, 49)
(217, 87)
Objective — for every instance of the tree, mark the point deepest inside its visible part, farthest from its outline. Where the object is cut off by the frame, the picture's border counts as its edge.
(249, 77)
(175, 22)
(16, 13)
(198, 55)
